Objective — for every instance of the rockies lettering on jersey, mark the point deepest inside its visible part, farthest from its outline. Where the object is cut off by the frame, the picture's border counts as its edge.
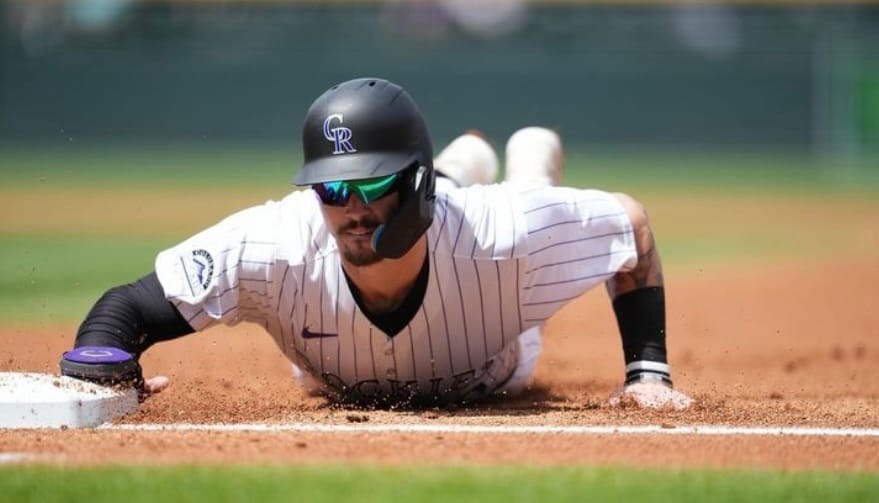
(503, 259)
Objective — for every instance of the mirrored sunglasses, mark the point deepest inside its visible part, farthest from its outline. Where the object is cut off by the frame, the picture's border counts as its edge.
(367, 189)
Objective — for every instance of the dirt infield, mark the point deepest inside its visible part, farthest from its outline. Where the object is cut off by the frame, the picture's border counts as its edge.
(782, 345)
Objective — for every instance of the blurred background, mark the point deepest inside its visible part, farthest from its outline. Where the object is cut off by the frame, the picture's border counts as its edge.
(127, 125)
(771, 74)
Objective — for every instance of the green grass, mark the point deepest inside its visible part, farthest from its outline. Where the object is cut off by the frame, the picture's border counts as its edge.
(778, 173)
(273, 165)
(52, 278)
(174, 165)
(57, 255)
(502, 484)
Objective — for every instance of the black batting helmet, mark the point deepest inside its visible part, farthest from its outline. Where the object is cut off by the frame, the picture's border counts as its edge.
(366, 128)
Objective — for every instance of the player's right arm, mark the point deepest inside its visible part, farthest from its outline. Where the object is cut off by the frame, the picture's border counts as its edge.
(127, 318)
(222, 275)
(132, 317)
(195, 284)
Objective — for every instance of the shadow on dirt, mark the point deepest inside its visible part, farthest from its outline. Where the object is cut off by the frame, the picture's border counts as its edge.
(534, 400)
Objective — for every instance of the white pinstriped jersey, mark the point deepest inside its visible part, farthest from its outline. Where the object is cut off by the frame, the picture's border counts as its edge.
(502, 259)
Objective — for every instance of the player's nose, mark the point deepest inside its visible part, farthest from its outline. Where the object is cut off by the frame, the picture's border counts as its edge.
(356, 205)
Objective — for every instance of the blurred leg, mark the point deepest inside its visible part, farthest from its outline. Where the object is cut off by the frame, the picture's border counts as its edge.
(530, 343)
(534, 157)
(468, 160)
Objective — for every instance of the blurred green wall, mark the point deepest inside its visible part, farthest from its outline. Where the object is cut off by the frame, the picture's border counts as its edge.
(676, 76)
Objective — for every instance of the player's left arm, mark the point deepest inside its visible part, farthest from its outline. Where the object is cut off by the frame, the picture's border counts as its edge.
(638, 297)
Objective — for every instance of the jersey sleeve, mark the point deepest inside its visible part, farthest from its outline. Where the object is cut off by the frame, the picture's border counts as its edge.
(576, 239)
(224, 274)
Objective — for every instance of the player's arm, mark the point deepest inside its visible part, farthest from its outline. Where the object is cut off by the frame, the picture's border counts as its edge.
(638, 297)
(121, 325)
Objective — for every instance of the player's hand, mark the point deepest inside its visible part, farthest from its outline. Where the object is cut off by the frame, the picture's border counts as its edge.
(650, 395)
(112, 367)
(155, 385)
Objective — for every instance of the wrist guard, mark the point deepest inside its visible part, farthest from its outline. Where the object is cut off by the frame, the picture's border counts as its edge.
(641, 319)
(648, 371)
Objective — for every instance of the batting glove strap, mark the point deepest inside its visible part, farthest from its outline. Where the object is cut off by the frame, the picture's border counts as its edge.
(643, 370)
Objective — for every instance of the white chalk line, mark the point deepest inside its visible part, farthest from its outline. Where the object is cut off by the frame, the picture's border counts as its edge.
(15, 457)
(709, 430)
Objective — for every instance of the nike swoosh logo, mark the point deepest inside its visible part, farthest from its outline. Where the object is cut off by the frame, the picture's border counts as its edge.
(306, 334)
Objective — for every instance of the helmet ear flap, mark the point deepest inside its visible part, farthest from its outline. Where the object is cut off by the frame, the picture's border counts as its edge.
(414, 215)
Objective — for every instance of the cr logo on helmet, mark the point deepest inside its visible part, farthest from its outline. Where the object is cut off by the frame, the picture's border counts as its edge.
(340, 136)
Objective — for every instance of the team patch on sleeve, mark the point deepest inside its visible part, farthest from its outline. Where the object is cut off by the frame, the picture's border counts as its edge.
(199, 270)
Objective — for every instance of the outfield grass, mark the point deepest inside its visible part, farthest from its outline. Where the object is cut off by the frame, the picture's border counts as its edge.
(59, 278)
(272, 165)
(78, 220)
(504, 484)
(142, 166)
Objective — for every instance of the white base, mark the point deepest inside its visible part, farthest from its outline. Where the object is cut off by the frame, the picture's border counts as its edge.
(29, 400)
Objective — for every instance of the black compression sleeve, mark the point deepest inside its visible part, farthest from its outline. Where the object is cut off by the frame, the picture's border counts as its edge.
(641, 319)
(132, 317)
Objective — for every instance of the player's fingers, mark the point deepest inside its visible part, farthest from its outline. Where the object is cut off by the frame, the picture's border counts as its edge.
(671, 399)
(659, 396)
(648, 395)
(155, 384)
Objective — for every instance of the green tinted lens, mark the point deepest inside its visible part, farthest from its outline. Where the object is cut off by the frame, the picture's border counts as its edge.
(373, 189)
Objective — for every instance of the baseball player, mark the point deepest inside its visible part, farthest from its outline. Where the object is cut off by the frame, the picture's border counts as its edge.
(397, 279)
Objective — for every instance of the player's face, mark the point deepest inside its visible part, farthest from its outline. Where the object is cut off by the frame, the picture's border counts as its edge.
(352, 221)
